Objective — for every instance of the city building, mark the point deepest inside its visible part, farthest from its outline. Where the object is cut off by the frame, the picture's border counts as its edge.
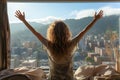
(90, 54)
(15, 61)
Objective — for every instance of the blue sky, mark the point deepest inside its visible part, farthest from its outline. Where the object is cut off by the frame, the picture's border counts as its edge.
(51, 11)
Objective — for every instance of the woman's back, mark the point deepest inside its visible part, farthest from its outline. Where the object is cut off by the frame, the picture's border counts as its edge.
(61, 65)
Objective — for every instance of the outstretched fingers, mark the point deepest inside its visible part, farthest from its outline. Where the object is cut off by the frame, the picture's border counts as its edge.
(17, 13)
(100, 13)
(24, 14)
(20, 15)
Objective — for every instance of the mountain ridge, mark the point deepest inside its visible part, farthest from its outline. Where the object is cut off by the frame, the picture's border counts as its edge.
(75, 25)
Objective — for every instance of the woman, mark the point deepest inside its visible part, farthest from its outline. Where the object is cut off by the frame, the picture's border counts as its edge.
(60, 46)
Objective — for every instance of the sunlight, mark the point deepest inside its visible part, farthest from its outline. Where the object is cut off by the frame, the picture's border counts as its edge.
(12, 8)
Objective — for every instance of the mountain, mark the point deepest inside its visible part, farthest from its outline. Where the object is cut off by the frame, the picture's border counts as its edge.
(20, 32)
(16, 27)
(108, 22)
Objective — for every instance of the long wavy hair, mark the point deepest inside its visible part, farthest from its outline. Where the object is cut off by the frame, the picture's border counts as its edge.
(59, 35)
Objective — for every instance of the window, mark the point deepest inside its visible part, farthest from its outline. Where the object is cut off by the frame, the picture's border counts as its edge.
(99, 45)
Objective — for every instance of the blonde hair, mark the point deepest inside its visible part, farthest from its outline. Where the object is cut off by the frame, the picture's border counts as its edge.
(59, 34)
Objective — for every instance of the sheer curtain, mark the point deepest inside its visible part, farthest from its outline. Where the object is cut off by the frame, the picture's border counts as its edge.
(4, 36)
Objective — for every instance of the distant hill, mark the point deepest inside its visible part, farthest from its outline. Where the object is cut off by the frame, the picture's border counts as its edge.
(108, 22)
(16, 27)
(20, 32)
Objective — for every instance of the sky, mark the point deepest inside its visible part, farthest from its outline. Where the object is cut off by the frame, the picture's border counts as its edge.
(47, 12)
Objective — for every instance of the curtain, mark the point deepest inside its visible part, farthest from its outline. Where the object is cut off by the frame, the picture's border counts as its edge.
(117, 53)
(4, 36)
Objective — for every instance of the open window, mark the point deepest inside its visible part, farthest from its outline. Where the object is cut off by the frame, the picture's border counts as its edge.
(99, 46)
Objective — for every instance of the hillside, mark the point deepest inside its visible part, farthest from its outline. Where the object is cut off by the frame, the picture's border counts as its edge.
(20, 32)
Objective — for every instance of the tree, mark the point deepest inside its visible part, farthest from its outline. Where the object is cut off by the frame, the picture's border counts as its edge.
(89, 59)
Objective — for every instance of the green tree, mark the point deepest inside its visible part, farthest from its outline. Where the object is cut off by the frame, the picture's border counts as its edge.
(89, 59)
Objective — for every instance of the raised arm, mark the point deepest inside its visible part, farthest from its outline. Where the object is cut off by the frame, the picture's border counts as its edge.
(21, 16)
(77, 38)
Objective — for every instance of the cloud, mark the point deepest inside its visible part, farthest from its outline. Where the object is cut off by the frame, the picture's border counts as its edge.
(46, 20)
(110, 11)
(90, 12)
(83, 13)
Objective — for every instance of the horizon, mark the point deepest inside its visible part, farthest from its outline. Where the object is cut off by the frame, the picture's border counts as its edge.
(47, 23)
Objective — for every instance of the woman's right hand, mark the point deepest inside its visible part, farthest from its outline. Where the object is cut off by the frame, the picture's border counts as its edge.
(20, 15)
